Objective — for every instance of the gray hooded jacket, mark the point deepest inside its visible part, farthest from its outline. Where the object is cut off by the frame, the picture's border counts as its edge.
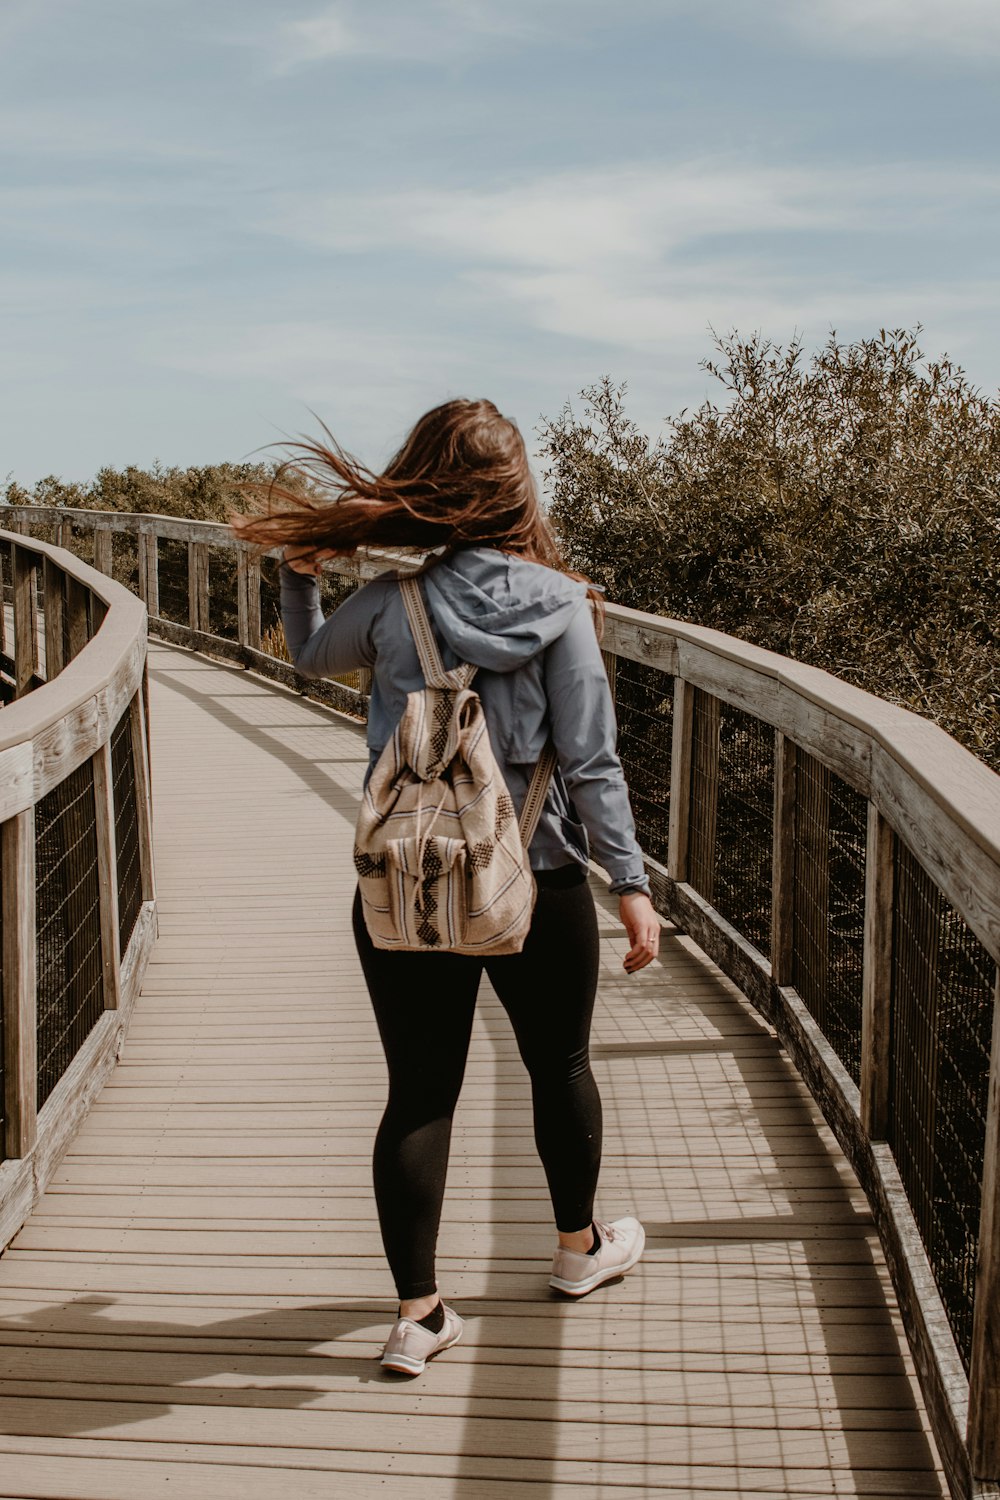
(529, 630)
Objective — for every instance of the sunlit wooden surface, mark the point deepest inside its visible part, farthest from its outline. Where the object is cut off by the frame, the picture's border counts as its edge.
(196, 1307)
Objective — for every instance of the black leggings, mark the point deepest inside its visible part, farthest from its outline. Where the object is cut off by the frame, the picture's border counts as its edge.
(424, 1005)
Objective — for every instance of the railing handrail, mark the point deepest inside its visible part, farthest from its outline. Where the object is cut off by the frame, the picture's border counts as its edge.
(74, 773)
(99, 666)
(956, 778)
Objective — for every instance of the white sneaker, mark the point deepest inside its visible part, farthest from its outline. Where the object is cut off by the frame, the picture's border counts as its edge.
(409, 1347)
(575, 1272)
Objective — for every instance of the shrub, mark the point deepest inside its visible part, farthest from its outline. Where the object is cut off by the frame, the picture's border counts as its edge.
(843, 509)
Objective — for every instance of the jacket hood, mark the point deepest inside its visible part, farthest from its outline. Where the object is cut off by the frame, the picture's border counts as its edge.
(499, 611)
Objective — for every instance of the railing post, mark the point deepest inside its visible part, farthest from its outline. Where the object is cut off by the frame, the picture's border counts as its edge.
(19, 983)
(198, 586)
(76, 609)
(102, 549)
(680, 781)
(62, 533)
(984, 1373)
(876, 983)
(143, 805)
(149, 572)
(248, 598)
(107, 872)
(153, 573)
(783, 860)
(140, 562)
(54, 613)
(25, 620)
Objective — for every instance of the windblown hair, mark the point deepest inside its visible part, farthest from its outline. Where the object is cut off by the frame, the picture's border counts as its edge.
(460, 479)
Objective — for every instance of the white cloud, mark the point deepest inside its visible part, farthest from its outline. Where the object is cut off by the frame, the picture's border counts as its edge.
(637, 256)
(429, 31)
(966, 28)
(632, 215)
(400, 30)
(319, 37)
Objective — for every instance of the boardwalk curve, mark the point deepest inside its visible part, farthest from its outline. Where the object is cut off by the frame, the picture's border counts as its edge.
(195, 1306)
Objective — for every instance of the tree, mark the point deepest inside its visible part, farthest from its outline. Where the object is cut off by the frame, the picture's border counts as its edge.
(843, 509)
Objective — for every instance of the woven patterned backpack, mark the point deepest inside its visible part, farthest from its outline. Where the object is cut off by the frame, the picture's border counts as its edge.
(442, 861)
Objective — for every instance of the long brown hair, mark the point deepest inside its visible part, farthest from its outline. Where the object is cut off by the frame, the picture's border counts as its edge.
(461, 478)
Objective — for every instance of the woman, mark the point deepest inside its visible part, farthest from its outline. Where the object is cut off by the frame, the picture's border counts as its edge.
(499, 597)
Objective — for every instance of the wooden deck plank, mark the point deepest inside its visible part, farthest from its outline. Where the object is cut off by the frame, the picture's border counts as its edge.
(197, 1305)
(419, 1475)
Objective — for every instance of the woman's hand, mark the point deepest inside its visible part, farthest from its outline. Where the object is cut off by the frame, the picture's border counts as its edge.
(311, 559)
(643, 927)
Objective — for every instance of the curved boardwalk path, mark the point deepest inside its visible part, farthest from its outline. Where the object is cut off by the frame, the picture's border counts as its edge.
(195, 1308)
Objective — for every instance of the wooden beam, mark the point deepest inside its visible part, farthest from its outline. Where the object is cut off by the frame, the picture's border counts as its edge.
(984, 1374)
(143, 795)
(680, 780)
(152, 573)
(107, 870)
(876, 986)
(25, 620)
(198, 585)
(76, 609)
(102, 549)
(253, 602)
(148, 564)
(627, 633)
(19, 983)
(248, 598)
(53, 577)
(783, 859)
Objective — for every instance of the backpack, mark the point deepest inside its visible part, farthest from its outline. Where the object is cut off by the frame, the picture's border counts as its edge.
(442, 861)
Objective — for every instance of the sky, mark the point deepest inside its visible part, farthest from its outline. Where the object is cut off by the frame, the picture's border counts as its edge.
(222, 216)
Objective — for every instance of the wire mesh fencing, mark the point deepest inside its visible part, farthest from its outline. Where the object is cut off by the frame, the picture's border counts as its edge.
(828, 896)
(125, 559)
(731, 827)
(223, 596)
(126, 813)
(272, 637)
(172, 579)
(644, 705)
(68, 924)
(941, 1020)
(7, 668)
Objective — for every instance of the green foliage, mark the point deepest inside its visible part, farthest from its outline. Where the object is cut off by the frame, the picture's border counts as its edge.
(200, 494)
(843, 509)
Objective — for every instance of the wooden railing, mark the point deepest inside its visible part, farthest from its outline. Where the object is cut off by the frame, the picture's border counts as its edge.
(78, 907)
(838, 857)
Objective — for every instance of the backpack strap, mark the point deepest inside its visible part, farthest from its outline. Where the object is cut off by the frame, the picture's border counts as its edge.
(538, 790)
(427, 649)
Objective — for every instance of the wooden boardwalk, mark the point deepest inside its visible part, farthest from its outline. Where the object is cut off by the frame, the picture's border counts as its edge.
(195, 1308)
